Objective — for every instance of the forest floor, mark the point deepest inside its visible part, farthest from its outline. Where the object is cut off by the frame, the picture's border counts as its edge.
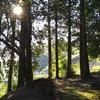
(66, 89)
(74, 88)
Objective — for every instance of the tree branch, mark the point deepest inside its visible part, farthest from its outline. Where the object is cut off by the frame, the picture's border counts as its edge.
(10, 46)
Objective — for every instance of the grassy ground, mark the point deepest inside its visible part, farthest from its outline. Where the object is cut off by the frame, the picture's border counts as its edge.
(75, 93)
(74, 90)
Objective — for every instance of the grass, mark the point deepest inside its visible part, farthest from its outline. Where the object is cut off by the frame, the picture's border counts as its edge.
(75, 93)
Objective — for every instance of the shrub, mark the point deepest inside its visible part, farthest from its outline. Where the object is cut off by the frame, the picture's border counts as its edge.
(76, 69)
(96, 69)
(3, 89)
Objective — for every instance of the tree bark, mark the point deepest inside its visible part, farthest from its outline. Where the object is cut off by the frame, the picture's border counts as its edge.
(84, 65)
(29, 77)
(49, 44)
(25, 68)
(22, 56)
(56, 41)
(69, 70)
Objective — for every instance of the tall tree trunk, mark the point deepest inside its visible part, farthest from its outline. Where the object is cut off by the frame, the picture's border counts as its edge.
(10, 73)
(49, 44)
(0, 24)
(56, 41)
(29, 77)
(84, 65)
(0, 15)
(69, 72)
(25, 76)
(22, 56)
(12, 59)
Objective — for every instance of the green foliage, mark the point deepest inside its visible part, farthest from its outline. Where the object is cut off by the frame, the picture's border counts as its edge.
(93, 32)
(94, 43)
(76, 69)
(96, 69)
(14, 86)
(3, 89)
(62, 67)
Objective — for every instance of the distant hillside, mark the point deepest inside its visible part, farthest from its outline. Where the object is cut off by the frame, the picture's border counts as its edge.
(43, 62)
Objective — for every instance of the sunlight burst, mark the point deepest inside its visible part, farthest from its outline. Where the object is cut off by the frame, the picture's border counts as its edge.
(17, 10)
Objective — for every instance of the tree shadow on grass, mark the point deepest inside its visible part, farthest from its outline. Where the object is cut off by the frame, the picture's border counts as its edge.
(70, 94)
(74, 93)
